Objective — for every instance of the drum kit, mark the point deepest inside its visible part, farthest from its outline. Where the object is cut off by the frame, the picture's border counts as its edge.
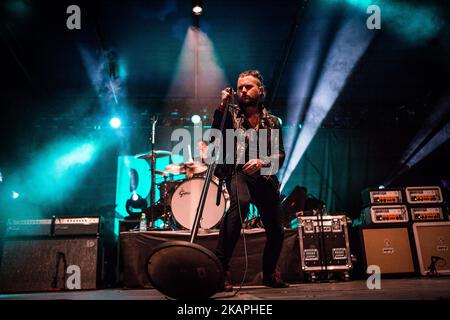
(179, 199)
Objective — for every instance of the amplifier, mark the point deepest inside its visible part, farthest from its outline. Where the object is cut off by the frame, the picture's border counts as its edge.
(28, 227)
(77, 226)
(371, 197)
(388, 247)
(426, 213)
(386, 214)
(51, 264)
(423, 195)
(432, 243)
(324, 243)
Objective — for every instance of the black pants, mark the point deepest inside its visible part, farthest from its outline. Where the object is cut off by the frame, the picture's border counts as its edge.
(264, 195)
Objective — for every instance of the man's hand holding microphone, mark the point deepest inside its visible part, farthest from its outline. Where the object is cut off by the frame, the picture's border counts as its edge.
(227, 96)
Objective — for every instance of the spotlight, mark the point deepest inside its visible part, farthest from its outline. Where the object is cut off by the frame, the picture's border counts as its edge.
(135, 206)
(196, 119)
(115, 122)
(349, 45)
(381, 187)
(197, 7)
(15, 195)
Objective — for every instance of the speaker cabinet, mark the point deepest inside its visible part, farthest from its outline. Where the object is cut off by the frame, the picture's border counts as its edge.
(50, 264)
(388, 247)
(432, 243)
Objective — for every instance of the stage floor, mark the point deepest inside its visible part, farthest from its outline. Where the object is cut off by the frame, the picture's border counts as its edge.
(391, 289)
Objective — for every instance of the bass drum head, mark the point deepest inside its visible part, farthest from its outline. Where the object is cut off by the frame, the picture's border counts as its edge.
(185, 201)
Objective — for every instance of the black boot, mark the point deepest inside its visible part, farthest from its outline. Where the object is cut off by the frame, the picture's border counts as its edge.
(227, 285)
(274, 280)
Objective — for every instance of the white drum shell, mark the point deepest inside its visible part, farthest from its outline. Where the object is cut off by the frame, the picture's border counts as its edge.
(185, 200)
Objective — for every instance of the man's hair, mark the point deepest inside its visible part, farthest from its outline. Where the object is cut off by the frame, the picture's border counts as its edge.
(253, 73)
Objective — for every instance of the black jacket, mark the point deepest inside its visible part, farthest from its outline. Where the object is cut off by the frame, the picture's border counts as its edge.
(236, 119)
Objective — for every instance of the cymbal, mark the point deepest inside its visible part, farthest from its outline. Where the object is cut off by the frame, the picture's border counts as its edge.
(156, 154)
(161, 173)
(197, 167)
(189, 167)
(176, 168)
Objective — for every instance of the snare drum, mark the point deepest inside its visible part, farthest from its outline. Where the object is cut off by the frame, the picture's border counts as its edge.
(185, 200)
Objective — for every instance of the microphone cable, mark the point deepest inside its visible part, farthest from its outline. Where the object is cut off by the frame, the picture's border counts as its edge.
(243, 235)
(244, 239)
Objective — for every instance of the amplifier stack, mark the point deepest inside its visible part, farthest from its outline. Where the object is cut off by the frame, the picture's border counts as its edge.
(384, 206)
(403, 230)
(425, 203)
(431, 232)
(384, 233)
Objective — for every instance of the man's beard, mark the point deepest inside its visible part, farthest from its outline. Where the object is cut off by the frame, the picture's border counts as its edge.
(248, 102)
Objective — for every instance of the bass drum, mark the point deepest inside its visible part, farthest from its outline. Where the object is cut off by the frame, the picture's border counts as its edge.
(185, 200)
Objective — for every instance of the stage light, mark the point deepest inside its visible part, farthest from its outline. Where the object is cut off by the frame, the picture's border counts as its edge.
(159, 224)
(15, 195)
(198, 75)
(426, 140)
(196, 119)
(115, 122)
(348, 46)
(77, 156)
(136, 205)
(381, 187)
(197, 7)
(197, 10)
(442, 136)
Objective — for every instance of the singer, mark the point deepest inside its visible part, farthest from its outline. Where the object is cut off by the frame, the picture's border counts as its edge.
(245, 183)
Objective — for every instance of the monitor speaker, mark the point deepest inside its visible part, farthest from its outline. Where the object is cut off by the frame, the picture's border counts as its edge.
(387, 247)
(184, 270)
(50, 264)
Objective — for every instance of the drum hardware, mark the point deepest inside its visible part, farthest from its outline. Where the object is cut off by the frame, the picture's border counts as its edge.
(152, 156)
(162, 173)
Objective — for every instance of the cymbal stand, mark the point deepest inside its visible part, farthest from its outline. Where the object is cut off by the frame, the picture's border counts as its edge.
(154, 119)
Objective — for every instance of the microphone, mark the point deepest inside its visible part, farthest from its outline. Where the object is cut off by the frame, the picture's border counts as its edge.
(232, 93)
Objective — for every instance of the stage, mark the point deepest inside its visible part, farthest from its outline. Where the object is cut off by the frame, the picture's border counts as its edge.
(123, 122)
(391, 289)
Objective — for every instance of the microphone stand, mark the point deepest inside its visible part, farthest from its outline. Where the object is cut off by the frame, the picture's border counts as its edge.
(209, 174)
(191, 263)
